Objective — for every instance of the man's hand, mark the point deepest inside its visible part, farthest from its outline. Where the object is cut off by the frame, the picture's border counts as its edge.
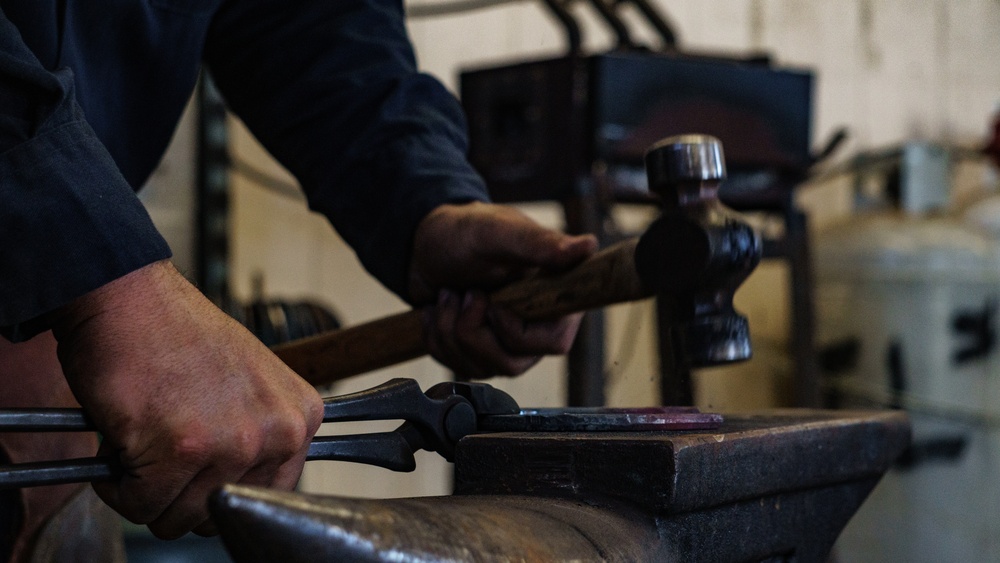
(461, 251)
(184, 395)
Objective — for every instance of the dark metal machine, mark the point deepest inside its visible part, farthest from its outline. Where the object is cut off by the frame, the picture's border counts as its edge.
(538, 128)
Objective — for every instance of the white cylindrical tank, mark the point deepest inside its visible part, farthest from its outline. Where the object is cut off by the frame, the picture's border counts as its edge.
(909, 305)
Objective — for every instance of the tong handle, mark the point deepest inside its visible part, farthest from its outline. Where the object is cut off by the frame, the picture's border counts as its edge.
(43, 420)
(80, 470)
(398, 398)
(432, 423)
(395, 399)
(383, 449)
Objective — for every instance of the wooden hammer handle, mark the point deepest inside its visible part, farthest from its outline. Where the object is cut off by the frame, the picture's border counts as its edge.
(607, 277)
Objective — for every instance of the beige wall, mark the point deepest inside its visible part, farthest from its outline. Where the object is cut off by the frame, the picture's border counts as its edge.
(890, 70)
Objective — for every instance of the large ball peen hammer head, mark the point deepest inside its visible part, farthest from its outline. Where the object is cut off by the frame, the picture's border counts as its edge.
(693, 257)
(698, 252)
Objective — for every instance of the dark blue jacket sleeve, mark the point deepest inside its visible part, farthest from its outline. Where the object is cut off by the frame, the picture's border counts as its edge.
(331, 88)
(69, 222)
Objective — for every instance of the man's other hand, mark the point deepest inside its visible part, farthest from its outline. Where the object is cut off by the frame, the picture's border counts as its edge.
(184, 396)
(462, 251)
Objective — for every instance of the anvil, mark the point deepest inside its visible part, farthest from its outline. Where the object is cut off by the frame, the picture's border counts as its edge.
(777, 486)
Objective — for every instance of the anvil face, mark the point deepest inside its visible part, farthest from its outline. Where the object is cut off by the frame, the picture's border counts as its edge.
(779, 486)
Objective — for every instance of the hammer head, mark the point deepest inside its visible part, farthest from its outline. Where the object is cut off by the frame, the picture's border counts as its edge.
(684, 161)
(698, 252)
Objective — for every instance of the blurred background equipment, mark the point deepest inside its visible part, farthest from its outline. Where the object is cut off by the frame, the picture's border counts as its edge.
(907, 298)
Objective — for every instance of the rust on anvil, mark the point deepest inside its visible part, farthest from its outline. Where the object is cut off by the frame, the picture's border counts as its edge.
(260, 525)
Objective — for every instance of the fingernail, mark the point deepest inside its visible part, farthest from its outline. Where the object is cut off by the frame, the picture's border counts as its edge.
(467, 300)
(444, 296)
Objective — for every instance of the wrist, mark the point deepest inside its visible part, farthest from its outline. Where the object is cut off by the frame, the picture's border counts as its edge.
(117, 298)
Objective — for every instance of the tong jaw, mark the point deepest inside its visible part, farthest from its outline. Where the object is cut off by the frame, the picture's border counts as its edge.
(465, 403)
(435, 420)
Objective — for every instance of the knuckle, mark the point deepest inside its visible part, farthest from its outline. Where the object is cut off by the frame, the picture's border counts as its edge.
(314, 412)
(287, 436)
(191, 448)
(293, 433)
(244, 446)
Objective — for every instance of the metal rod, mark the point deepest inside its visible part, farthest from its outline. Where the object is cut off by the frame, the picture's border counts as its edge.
(59, 472)
(658, 22)
(384, 449)
(212, 254)
(43, 420)
(569, 24)
(624, 39)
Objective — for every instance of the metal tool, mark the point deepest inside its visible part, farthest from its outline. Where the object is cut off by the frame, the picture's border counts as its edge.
(435, 421)
(697, 253)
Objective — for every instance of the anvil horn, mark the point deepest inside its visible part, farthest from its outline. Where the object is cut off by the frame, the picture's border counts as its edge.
(260, 525)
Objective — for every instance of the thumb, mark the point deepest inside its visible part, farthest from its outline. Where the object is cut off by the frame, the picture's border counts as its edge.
(514, 239)
(569, 251)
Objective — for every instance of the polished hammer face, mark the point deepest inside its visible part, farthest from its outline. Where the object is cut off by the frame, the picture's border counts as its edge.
(685, 158)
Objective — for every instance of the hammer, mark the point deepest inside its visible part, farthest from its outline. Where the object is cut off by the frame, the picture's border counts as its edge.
(695, 255)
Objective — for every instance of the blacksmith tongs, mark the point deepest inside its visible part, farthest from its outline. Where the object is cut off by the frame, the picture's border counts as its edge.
(435, 421)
